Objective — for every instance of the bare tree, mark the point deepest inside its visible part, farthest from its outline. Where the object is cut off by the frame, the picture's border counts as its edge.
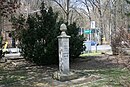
(7, 7)
(101, 6)
(69, 10)
(119, 27)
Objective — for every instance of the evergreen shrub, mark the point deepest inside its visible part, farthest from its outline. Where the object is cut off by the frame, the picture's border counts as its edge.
(39, 42)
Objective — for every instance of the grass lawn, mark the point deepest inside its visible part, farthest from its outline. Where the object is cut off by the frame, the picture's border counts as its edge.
(91, 54)
(114, 77)
(34, 76)
(8, 77)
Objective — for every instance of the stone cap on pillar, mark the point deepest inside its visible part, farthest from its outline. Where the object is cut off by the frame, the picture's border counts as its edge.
(63, 28)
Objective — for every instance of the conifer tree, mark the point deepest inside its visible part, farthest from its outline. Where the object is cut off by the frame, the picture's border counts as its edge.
(39, 42)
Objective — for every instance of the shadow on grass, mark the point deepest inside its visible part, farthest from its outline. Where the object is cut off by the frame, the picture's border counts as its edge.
(112, 73)
(25, 76)
(96, 62)
(30, 75)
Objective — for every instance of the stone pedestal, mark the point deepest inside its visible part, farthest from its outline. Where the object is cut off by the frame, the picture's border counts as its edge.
(63, 74)
(64, 77)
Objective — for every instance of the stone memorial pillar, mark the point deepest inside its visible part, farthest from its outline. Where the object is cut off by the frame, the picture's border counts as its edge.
(64, 73)
(63, 41)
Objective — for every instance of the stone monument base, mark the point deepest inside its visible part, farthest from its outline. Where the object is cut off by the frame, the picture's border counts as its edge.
(64, 77)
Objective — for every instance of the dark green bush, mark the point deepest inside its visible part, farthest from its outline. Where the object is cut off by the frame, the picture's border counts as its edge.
(39, 41)
(76, 41)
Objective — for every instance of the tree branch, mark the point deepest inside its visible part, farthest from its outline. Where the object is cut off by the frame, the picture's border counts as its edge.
(60, 6)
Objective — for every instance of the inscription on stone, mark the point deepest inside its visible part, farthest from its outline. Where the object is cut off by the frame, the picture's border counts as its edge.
(63, 52)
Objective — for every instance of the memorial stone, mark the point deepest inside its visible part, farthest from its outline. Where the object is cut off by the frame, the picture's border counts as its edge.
(64, 73)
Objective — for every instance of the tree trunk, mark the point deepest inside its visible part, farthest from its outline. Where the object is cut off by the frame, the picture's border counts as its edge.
(0, 31)
(101, 28)
(67, 12)
(101, 22)
(0, 37)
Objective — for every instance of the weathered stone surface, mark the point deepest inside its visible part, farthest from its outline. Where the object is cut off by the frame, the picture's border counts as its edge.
(63, 41)
(64, 77)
